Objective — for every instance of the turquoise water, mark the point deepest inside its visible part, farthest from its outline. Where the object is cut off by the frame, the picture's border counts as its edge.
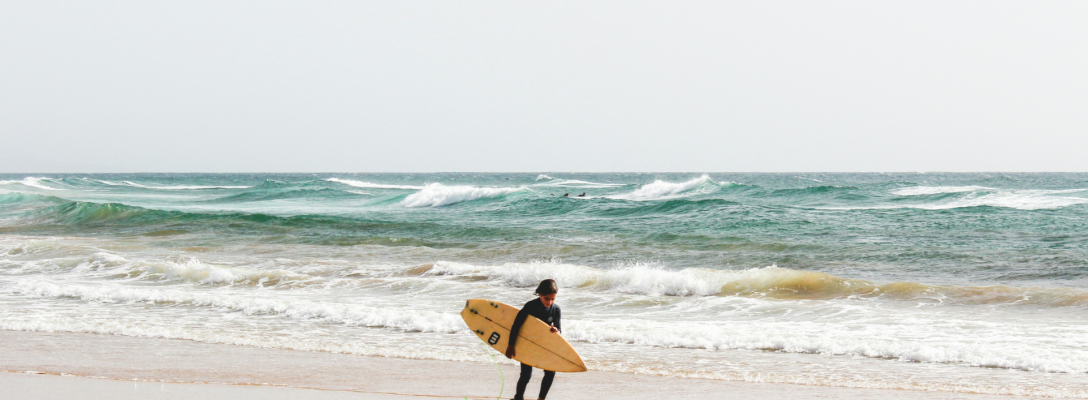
(870, 280)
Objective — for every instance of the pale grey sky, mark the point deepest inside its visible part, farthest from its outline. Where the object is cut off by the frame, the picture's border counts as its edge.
(380, 86)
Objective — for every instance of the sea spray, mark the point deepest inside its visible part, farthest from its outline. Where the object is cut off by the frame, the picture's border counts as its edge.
(437, 195)
(661, 189)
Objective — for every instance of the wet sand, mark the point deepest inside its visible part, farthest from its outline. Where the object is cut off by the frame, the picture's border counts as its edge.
(43, 365)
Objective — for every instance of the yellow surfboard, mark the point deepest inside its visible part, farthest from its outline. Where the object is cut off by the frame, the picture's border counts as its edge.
(537, 345)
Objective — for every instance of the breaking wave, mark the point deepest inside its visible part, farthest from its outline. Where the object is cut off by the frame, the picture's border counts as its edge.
(660, 189)
(189, 270)
(1017, 199)
(767, 282)
(31, 182)
(437, 195)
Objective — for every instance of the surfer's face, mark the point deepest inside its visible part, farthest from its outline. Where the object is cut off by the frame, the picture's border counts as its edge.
(548, 300)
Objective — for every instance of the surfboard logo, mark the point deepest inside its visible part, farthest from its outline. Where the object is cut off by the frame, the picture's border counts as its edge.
(494, 338)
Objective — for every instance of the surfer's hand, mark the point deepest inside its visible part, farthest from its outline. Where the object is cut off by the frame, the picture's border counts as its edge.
(510, 352)
(554, 330)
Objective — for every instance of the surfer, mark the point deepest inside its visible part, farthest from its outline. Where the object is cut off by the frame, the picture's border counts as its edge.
(544, 309)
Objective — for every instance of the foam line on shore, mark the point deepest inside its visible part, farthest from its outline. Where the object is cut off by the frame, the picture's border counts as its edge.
(814, 338)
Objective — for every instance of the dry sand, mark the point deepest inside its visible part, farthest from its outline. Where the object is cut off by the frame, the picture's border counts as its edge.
(64, 366)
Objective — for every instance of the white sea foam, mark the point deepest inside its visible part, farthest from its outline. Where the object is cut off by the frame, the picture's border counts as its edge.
(638, 278)
(349, 314)
(108, 265)
(927, 190)
(125, 327)
(767, 282)
(1032, 199)
(827, 336)
(830, 337)
(137, 296)
(32, 182)
(188, 270)
(662, 190)
(1018, 199)
(894, 341)
(542, 177)
(194, 270)
(776, 368)
(361, 184)
(437, 194)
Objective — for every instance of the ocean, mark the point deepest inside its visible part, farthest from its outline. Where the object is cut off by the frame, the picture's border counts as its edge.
(967, 282)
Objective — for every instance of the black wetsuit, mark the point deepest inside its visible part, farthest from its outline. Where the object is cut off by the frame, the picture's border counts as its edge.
(550, 316)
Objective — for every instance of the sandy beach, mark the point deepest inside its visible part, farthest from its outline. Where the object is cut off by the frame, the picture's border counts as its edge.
(43, 365)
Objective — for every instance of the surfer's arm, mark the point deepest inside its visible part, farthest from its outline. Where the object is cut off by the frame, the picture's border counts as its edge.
(558, 319)
(514, 328)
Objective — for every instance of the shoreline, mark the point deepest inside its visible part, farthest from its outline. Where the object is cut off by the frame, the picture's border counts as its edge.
(20, 386)
(81, 362)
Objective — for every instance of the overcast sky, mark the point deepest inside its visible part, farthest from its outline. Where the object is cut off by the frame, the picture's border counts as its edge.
(411, 86)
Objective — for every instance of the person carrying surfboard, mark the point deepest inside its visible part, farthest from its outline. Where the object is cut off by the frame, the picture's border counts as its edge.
(544, 309)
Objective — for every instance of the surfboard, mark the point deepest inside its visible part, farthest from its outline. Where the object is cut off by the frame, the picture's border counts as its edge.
(537, 345)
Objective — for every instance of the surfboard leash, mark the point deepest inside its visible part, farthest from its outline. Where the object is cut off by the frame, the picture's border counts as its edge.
(502, 381)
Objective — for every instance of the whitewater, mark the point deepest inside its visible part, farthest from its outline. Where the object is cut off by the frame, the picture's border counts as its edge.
(973, 283)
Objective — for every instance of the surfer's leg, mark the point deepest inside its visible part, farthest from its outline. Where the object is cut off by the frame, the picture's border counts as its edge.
(546, 384)
(526, 373)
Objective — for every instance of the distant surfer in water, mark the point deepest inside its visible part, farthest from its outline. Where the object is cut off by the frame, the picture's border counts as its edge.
(544, 309)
